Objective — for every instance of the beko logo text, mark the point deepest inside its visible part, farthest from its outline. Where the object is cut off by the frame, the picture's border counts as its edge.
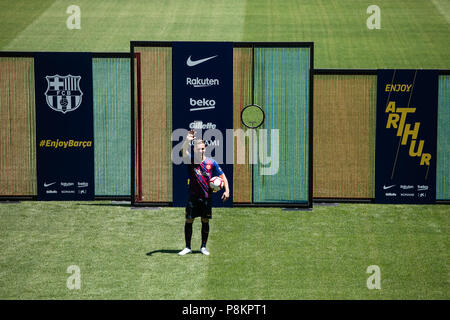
(201, 83)
(202, 104)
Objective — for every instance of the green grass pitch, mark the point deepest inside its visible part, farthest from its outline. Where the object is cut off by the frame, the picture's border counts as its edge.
(260, 253)
(257, 253)
(413, 34)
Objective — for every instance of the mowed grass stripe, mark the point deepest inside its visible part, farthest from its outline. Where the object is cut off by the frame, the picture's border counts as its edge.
(324, 254)
(167, 275)
(256, 253)
(413, 33)
(15, 16)
(444, 8)
(111, 25)
(112, 245)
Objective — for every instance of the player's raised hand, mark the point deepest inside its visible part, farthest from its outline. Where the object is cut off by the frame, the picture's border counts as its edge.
(191, 135)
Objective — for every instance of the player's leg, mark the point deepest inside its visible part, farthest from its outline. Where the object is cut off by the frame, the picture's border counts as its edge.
(205, 231)
(187, 236)
(206, 215)
(190, 216)
(188, 232)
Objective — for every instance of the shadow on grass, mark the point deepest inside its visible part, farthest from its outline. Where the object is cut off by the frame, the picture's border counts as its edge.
(168, 251)
(106, 204)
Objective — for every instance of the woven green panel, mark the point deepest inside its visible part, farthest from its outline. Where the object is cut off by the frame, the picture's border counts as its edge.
(112, 126)
(443, 140)
(281, 89)
(17, 127)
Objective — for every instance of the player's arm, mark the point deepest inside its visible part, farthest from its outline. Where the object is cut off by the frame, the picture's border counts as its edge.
(219, 172)
(226, 193)
(186, 145)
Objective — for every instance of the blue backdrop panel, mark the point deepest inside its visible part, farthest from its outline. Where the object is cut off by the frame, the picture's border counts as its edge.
(282, 89)
(202, 95)
(64, 126)
(443, 146)
(405, 154)
(112, 125)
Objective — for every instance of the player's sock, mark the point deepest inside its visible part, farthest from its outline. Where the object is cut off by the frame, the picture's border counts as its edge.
(205, 233)
(188, 234)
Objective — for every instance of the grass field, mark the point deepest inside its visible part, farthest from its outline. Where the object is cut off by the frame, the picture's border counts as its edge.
(413, 34)
(260, 253)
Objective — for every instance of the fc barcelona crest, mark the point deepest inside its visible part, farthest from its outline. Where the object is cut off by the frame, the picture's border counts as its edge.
(63, 92)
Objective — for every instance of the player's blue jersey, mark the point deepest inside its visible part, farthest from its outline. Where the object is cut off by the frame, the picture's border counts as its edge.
(199, 176)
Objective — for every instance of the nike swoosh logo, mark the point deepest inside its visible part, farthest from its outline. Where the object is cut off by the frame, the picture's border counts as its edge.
(48, 184)
(385, 188)
(191, 63)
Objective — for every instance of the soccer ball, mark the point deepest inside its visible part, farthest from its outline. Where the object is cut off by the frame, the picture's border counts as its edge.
(216, 183)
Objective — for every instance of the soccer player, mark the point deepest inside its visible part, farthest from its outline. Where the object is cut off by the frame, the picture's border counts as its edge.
(200, 169)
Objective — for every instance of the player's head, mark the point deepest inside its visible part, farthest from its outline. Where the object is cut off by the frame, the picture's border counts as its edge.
(199, 147)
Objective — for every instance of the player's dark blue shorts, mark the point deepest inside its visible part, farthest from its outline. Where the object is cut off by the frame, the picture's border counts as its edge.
(198, 207)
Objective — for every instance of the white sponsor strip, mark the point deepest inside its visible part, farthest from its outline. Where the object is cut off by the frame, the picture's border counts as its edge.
(69, 103)
(58, 102)
(203, 108)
